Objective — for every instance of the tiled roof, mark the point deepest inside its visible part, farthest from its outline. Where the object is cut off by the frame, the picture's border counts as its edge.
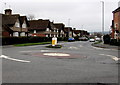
(66, 29)
(76, 31)
(59, 26)
(116, 10)
(9, 20)
(38, 24)
(22, 18)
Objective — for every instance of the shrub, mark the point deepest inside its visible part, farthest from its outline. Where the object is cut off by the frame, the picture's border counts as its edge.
(106, 39)
(115, 42)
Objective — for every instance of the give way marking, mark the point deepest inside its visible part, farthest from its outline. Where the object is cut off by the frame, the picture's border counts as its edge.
(113, 57)
(13, 59)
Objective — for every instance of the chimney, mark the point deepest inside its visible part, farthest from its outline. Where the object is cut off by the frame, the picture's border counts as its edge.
(8, 11)
(74, 28)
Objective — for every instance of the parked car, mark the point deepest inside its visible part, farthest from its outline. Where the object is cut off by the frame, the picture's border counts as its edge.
(71, 39)
(97, 39)
(92, 40)
(83, 38)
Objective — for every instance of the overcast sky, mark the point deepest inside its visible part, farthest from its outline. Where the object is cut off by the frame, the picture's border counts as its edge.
(83, 14)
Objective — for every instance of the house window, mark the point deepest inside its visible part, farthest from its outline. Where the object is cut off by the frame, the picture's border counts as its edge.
(47, 29)
(24, 25)
(17, 24)
(57, 30)
(116, 25)
(16, 34)
(22, 34)
(35, 31)
(50, 35)
(10, 35)
(46, 35)
(57, 35)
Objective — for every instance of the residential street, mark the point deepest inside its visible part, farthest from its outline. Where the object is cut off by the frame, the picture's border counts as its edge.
(75, 62)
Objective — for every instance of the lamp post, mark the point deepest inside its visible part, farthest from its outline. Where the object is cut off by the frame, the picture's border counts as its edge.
(102, 19)
(68, 28)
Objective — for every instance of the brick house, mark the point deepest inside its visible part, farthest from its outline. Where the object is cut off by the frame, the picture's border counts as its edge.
(60, 27)
(14, 24)
(42, 28)
(115, 28)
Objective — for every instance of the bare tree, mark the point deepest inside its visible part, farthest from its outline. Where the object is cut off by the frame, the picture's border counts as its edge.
(30, 17)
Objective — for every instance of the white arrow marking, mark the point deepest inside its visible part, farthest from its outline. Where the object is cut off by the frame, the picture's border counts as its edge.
(113, 57)
(6, 57)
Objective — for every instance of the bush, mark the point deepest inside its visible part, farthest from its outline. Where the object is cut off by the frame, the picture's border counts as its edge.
(76, 38)
(115, 42)
(106, 39)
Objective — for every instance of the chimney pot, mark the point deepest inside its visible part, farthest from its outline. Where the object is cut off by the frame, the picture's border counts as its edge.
(8, 11)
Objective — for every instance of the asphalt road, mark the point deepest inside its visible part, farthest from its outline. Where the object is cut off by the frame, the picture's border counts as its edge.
(75, 62)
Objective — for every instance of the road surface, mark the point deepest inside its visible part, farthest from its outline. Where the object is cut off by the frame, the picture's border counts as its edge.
(75, 62)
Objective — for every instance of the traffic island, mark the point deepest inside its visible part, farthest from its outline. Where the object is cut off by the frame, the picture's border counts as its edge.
(56, 46)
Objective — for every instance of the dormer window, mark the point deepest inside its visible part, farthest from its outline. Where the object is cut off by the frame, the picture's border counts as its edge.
(57, 30)
(24, 25)
(47, 29)
(34, 31)
(17, 24)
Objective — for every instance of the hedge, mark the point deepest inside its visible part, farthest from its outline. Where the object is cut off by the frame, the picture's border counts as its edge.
(20, 40)
(115, 42)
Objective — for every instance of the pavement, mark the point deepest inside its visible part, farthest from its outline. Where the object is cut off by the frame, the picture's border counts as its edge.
(102, 45)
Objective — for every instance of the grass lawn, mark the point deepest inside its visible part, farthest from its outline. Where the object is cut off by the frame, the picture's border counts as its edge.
(30, 44)
(97, 42)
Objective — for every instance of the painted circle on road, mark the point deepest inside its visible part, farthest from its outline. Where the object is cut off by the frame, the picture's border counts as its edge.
(56, 54)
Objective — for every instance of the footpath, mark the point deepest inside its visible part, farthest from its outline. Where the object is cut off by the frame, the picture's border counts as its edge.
(102, 45)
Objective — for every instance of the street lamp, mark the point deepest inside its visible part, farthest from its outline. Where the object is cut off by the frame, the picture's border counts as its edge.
(68, 27)
(102, 19)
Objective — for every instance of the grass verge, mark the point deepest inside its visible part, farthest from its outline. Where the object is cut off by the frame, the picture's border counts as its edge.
(30, 44)
(97, 42)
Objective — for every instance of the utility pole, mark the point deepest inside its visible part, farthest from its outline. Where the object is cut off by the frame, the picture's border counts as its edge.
(102, 18)
(68, 28)
(69, 22)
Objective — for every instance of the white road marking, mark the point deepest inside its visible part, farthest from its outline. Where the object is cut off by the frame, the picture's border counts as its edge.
(25, 51)
(9, 58)
(81, 46)
(73, 47)
(107, 49)
(97, 48)
(56, 54)
(113, 57)
(104, 48)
